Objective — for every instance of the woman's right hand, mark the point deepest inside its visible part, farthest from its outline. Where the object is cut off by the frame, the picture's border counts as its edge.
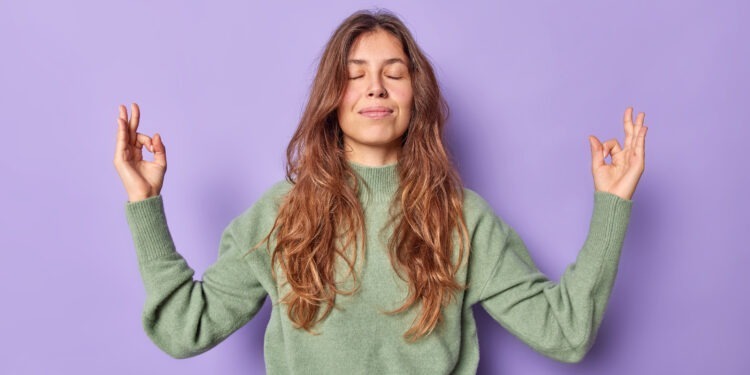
(142, 178)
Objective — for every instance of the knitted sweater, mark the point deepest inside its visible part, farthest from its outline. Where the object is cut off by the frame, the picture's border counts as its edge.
(186, 317)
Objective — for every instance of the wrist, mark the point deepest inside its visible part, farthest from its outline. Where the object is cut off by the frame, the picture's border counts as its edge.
(139, 197)
(618, 194)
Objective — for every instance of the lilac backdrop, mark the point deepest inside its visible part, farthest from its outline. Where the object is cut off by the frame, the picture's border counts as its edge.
(225, 84)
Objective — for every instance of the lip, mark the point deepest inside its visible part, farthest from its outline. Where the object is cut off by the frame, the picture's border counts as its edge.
(375, 112)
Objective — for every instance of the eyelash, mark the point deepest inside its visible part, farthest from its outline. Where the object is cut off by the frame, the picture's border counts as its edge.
(351, 78)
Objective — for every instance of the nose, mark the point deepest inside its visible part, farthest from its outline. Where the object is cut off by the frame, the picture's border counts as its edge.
(377, 90)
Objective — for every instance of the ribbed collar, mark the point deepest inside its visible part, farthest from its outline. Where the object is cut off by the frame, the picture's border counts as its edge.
(382, 181)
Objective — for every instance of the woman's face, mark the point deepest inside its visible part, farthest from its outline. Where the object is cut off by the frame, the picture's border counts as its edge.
(375, 110)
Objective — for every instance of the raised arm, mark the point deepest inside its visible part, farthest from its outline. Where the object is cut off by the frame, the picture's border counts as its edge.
(561, 320)
(558, 320)
(182, 316)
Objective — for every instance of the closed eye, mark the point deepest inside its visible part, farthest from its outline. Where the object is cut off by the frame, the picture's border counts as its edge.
(391, 77)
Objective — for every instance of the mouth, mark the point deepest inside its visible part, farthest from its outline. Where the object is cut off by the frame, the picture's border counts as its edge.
(376, 112)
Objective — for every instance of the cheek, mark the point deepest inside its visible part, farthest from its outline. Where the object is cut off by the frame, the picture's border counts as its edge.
(345, 109)
(402, 93)
(404, 96)
(349, 99)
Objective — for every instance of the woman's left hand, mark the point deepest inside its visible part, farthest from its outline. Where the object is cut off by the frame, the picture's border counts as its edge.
(622, 175)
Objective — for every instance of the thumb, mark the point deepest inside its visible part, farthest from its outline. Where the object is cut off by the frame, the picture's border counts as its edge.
(160, 152)
(597, 159)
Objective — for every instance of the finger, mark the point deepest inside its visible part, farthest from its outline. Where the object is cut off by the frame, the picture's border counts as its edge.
(122, 140)
(124, 116)
(596, 152)
(609, 145)
(616, 148)
(135, 115)
(145, 140)
(638, 125)
(627, 122)
(641, 117)
(160, 152)
(640, 147)
(616, 153)
(123, 113)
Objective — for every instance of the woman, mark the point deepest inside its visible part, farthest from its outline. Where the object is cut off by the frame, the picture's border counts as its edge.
(374, 252)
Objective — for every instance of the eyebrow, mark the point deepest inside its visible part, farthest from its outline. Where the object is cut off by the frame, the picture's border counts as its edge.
(387, 62)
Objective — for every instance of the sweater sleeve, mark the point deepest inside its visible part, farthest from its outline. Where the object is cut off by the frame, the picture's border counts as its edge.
(558, 320)
(182, 316)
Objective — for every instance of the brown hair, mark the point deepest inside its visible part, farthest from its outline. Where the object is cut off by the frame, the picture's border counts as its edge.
(322, 207)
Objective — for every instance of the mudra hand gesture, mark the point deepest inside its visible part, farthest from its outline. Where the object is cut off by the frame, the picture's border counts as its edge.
(622, 175)
(142, 178)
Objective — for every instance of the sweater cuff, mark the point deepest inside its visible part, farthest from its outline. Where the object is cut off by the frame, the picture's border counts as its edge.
(609, 223)
(148, 225)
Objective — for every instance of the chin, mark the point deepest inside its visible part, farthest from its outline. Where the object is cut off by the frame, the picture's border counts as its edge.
(376, 139)
(373, 140)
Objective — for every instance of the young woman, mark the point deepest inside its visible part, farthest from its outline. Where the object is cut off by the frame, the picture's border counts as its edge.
(371, 250)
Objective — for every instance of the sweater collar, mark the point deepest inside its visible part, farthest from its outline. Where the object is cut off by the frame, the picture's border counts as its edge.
(380, 183)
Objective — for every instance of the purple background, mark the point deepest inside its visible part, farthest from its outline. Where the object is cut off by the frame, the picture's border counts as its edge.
(225, 84)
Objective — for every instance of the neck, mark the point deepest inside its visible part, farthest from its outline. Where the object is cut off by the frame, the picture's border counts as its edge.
(378, 183)
(371, 156)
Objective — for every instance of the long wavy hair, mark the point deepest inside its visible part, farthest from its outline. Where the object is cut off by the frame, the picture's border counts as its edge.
(321, 216)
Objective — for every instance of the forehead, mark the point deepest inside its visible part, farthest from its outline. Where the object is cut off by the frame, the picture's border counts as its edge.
(377, 47)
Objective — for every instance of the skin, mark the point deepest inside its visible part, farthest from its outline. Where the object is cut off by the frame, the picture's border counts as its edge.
(142, 178)
(375, 142)
(622, 175)
(378, 76)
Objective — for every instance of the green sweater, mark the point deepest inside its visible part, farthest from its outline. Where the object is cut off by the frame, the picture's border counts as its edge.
(186, 317)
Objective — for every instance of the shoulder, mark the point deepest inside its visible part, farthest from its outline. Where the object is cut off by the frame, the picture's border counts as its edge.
(474, 202)
(263, 211)
(274, 195)
(480, 215)
(475, 206)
